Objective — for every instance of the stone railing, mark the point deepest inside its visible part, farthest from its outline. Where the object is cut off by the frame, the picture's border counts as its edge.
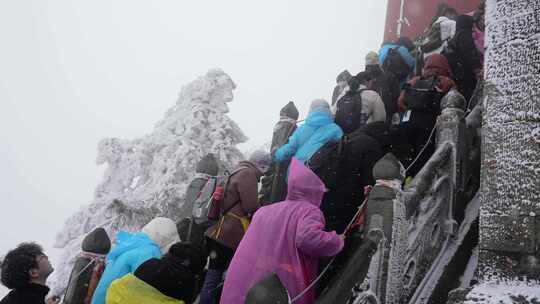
(425, 231)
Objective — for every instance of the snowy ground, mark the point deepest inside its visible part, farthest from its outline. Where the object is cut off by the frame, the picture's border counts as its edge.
(511, 292)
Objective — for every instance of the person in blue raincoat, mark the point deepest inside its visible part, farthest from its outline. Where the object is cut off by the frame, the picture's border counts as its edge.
(133, 249)
(318, 129)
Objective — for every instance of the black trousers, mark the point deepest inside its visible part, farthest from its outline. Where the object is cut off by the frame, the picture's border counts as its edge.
(411, 137)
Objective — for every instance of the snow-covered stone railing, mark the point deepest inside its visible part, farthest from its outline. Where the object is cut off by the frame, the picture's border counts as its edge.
(422, 232)
(436, 203)
(428, 229)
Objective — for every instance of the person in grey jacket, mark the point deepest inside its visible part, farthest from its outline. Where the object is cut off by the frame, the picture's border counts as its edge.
(341, 81)
(372, 107)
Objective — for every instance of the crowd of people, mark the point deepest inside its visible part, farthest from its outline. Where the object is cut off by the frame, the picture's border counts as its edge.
(312, 183)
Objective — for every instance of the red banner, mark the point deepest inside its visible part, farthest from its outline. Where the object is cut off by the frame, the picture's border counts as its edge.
(418, 14)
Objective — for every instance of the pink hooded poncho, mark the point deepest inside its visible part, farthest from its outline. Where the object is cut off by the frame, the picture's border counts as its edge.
(286, 238)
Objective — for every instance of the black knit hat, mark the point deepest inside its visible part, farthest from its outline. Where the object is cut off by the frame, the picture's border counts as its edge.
(290, 111)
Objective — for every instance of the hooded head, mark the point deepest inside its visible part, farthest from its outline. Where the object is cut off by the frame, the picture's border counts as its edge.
(163, 232)
(343, 77)
(354, 84)
(379, 131)
(208, 165)
(187, 255)
(436, 65)
(319, 105)
(303, 184)
(406, 42)
(363, 77)
(289, 111)
(261, 159)
(444, 10)
(464, 22)
(372, 58)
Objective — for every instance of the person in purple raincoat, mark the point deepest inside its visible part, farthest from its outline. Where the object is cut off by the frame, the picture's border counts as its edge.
(285, 238)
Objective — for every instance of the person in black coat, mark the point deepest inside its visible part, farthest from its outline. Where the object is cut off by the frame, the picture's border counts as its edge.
(362, 149)
(463, 56)
(177, 273)
(273, 184)
(383, 83)
(25, 270)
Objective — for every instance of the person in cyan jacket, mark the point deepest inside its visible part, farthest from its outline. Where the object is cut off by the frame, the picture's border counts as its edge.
(396, 58)
(170, 279)
(133, 249)
(318, 129)
(285, 238)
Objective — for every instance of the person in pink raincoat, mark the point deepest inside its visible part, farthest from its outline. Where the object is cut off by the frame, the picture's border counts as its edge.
(286, 238)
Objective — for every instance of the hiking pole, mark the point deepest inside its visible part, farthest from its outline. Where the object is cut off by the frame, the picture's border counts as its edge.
(367, 189)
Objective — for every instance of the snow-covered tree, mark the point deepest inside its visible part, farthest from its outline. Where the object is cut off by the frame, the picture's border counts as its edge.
(148, 176)
(510, 183)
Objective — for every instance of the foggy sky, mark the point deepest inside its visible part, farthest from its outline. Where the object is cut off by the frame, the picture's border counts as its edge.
(73, 72)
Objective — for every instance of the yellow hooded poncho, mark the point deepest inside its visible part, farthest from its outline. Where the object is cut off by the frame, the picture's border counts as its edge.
(131, 290)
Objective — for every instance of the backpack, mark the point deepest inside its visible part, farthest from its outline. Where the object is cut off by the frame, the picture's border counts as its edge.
(423, 95)
(432, 39)
(326, 162)
(202, 203)
(349, 114)
(218, 196)
(454, 54)
(395, 64)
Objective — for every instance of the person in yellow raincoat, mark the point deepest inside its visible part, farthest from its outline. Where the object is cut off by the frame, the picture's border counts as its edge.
(132, 290)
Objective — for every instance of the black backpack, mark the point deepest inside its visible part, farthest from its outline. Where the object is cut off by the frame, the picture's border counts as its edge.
(395, 64)
(432, 39)
(326, 162)
(423, 95)
(349, 115)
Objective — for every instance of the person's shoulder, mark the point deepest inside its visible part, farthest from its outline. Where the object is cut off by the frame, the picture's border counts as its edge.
(245, 171)
(370, 95)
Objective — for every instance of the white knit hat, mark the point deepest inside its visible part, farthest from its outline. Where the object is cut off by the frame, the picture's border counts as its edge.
(163, 231)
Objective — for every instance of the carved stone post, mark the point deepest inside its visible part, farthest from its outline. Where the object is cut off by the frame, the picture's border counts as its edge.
(451, 127)
(386, 218)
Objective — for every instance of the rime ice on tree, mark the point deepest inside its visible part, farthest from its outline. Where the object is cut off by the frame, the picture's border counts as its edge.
(148, 176)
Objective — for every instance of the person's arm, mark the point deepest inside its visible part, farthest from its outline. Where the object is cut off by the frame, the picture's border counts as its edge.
(336, 133)
(446, 84)
(287, 151)
(401, 100)
(312, 240)
(471, 56)
(246, 185)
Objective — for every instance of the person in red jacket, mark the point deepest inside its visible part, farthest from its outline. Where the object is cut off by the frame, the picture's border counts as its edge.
(240, 201)
(420, 104)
